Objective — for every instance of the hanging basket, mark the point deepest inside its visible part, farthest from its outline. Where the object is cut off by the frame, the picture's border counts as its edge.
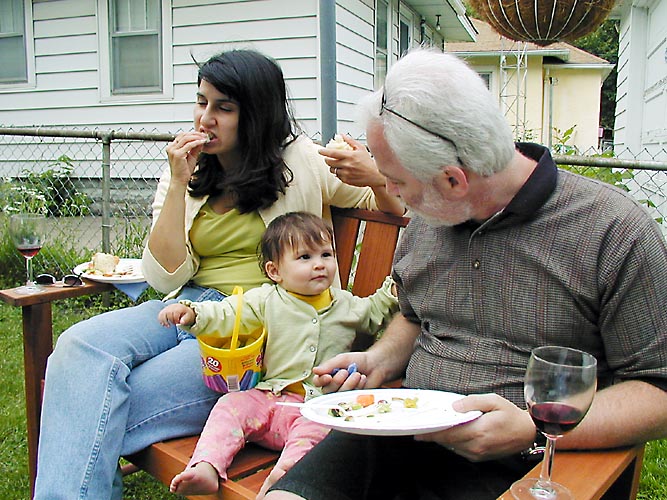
(543, 21)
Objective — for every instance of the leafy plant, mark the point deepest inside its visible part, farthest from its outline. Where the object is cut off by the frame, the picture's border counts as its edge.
(132, 241)
(561, 140)
(614, 176)
(51, 191)
(16, 197)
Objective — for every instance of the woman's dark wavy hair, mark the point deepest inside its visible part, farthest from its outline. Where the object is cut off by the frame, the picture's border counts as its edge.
(266, 127)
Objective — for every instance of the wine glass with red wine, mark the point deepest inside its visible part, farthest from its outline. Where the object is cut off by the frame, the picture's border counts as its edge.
(28, 232)
(559, 387)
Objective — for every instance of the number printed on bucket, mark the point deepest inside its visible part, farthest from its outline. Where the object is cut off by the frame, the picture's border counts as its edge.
(213, 364)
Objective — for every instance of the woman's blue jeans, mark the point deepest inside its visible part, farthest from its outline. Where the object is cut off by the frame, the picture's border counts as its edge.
(115, 384)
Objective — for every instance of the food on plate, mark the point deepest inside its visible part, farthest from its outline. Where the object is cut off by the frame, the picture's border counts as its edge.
(364, 405)
(103, 264)
(384, 406)
(410, 402)
(338, 143)
(365, 400)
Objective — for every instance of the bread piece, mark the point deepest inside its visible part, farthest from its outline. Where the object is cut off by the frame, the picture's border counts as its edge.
(105, 263)
(338, 143)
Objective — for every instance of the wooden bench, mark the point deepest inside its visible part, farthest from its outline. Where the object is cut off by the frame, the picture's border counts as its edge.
(606, 474)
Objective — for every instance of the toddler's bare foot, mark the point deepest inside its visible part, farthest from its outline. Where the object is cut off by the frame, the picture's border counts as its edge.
(202, 479)
(275, 474)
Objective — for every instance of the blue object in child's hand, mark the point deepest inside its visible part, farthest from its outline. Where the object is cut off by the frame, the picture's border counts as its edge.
(350, 370)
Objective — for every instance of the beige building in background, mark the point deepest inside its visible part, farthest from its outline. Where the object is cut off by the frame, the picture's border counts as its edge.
(544, 91)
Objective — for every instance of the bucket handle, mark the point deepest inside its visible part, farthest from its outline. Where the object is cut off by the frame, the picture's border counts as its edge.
(238, 291)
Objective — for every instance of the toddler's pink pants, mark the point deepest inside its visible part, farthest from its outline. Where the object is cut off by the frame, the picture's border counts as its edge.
(253, 416)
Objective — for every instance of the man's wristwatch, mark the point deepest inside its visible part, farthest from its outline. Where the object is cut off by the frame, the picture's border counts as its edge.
(536, 452)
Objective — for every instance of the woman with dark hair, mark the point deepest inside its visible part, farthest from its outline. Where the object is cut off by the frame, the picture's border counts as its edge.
(118, 382)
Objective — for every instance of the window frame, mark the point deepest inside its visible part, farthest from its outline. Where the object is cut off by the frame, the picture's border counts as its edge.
(378, 79)
(106, 57)
(404, 21)
(29, 52)
(493, 79)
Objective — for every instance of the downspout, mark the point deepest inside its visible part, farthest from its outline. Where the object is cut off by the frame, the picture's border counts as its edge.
(550, 81)
(329, 98)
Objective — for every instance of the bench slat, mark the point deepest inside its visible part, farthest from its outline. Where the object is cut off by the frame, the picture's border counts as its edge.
(590, 474)
(166, 459)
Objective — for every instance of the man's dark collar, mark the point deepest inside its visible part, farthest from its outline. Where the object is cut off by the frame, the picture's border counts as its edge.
(536, 190)
(539, 186)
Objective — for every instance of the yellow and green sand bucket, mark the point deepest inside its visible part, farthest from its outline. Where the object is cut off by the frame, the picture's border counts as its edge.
(231, 364)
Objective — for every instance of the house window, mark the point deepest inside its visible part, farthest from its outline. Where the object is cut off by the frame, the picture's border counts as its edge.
(489, 74)
(404, 37)
(14, 57)
(381, 45)
(135, 28)
(486, 76)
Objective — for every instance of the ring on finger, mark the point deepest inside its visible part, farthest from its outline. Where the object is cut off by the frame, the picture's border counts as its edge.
(335, 171)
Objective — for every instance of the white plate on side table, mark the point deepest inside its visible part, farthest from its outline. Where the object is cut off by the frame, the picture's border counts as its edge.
(127, 271)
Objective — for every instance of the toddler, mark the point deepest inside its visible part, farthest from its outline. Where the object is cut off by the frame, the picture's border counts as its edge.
(307, 321)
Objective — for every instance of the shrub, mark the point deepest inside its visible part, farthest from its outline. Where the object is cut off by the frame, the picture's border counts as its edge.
(51, 191)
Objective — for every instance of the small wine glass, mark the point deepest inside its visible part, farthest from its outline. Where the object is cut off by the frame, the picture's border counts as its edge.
(559, 386)
(28, 232)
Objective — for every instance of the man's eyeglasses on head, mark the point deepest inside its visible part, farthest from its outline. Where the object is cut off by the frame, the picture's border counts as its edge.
(68, 280)
(384, 107)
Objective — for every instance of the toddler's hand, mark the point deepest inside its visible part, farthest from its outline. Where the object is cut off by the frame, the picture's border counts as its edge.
(176, 314)
(352, 368)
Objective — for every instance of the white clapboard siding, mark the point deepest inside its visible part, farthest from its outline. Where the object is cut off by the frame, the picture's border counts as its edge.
(641, 97)
(620, 125)
(278, 49)
(654, 136)
(70, 44)
(197, 13)
(62, 9)
(355, 52)
(64, 63)
(72, 80)
(50, 28)
(249, 31)
(135, 116)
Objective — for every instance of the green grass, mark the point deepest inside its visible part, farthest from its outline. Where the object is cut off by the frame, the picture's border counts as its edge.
(140, 486)
(13, 444)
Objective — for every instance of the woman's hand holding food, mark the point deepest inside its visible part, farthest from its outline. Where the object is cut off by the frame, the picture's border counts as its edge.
(167, 238)
(183, 152)
(351, 162)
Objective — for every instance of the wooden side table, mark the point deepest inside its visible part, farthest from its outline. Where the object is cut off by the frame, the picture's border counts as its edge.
(37, 346)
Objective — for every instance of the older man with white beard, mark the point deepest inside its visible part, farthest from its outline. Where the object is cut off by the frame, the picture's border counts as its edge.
(504, 253)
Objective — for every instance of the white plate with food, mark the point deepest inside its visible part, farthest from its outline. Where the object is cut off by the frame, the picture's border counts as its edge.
(108, 270)
(387, 412)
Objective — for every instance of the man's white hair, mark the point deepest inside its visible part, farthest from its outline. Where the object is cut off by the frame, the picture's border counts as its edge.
(443, 94)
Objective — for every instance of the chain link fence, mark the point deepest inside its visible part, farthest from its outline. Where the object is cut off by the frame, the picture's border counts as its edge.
(98, 186)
